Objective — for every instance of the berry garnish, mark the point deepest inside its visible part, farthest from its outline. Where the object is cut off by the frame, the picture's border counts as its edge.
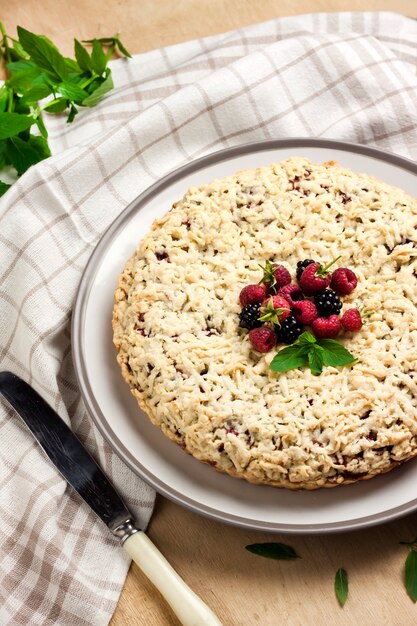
(315, 278)
(262, 339)
(301, 265)
(289, 330)
(282, 276)
(305, 311)
(352, 319)
(327, 303)
(249, 316)
(343, 281)
(253, 294)
(326, 327)
(292, 293)
(275, 309)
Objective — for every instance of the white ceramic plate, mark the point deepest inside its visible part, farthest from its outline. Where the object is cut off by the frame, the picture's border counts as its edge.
(162, 463)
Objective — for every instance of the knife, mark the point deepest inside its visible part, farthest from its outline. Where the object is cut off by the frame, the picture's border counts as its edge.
(80, 470)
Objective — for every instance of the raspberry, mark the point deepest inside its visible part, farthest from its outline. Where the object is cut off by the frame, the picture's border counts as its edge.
(343, 281)
(326, 327)
(292, 293)
(305, 311)
(289, 330)
(301, 265)
(327, 303)
(249, 316)
(282, 276)
(352, 320)
(275, 309)
(252, 294)
(262, 339)
(315, 278)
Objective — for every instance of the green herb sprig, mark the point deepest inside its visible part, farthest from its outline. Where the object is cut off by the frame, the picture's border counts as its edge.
(36, 70)
(307, 350)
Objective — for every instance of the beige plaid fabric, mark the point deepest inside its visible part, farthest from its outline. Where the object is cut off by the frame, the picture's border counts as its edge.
(348, 76)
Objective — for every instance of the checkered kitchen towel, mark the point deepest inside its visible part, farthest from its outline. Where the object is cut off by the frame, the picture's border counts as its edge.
(348, 76)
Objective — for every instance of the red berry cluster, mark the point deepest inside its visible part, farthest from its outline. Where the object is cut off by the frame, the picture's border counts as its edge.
(276, 310)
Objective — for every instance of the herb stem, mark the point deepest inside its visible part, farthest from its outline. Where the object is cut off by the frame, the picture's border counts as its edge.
(89, 80)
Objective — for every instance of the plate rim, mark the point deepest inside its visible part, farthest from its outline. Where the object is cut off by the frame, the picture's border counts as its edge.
(79, 312)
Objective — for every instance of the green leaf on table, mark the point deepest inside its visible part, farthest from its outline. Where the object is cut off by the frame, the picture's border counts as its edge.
(411, 575)
(341, 586)
(97, 95)
(289, 358)
(334, 353)
(3, 188)
(82, 56)
(21, 154)
(12, 124)
(72, 92)
(44, 53)
(316, 359)
(278, 551)
(98, 58)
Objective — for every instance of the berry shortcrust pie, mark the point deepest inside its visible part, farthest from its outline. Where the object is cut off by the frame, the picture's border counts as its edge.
(267, 324)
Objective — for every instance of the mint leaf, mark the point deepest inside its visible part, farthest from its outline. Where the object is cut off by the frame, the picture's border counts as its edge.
(40, 145)
(279, 551)
(43, 52)
(82, 56)
(341, 586)
(37, 92)
(97, 95)
(334, 353)
(289, 358)
(3, 188)
(316, 359)
(12, 124)
(411, 575)
(306, 338)
(21, 155)
(72, 92)
(98, 58)
(73, 112)
(56, 106)
(121, 48)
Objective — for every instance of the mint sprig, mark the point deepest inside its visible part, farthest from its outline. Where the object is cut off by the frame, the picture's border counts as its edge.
(316, 353)
(35, 69)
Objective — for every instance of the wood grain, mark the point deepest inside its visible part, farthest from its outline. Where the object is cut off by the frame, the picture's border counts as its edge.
(242, 588)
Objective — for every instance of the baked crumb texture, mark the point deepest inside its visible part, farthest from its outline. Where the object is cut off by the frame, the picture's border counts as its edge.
(192, 369)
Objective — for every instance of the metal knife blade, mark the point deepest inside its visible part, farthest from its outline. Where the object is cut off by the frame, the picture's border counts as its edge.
(81, 471)
(65, 451)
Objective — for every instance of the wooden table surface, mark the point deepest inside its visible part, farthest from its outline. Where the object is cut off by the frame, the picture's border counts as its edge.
(242, 588)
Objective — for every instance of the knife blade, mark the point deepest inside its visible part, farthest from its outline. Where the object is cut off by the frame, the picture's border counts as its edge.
(79, 469)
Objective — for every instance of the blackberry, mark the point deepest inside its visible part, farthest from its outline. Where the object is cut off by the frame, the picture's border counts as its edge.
(289, 330)
(301, 265)
(249, 316)
(327, 303)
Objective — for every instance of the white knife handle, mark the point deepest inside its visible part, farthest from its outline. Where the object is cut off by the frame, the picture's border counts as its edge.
(187, 606)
